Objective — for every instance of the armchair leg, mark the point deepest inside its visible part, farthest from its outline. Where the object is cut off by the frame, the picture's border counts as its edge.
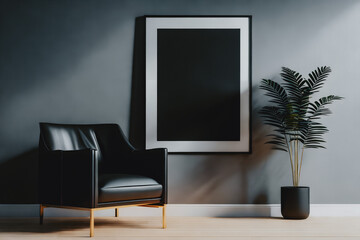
(164, 216)
(116, 212)
(91, 222)
(41, 214)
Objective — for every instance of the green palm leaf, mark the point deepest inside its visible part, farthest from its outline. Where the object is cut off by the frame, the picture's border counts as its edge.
(298, 91)
(293, 82)
(274, 116)
(313, 137)
(275, 91)
(318, 109)
(317, 78)
(293, 116)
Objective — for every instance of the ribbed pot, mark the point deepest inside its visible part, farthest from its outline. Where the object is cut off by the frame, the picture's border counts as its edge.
(295, 202)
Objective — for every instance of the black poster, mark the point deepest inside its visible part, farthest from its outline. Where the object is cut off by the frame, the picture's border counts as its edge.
(198, 87)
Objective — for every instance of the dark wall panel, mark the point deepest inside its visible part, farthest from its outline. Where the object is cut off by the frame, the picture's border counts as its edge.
(82, 62)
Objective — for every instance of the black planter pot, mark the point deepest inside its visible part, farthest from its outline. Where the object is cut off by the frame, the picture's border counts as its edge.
(295, 202)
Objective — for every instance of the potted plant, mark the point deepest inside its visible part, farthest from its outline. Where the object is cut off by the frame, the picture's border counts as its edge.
(296, 128)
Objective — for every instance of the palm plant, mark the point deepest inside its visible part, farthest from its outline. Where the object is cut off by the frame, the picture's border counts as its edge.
(294, 117)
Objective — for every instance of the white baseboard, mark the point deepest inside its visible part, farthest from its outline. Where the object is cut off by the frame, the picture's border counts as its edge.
(199, 210)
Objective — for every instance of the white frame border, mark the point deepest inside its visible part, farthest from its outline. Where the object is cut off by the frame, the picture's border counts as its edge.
(154, 23)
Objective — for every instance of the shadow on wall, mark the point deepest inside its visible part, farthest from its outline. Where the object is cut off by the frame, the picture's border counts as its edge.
(41, 43)
(137, 107)
(214, 170)
(19, 182)
(219, 173)
(45, 40)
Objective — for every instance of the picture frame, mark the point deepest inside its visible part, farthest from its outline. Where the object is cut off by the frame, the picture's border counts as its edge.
(198, 83)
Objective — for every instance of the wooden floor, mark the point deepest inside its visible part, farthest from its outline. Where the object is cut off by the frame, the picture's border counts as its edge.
(188, 228)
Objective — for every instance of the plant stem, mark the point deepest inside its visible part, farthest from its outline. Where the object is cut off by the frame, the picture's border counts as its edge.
(302, 154)
(296, 162)
(291, 161)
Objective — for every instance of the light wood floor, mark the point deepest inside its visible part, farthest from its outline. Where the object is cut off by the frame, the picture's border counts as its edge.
(188, 228)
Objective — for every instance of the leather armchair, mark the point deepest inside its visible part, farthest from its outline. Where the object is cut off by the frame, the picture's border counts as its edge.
(94, 167)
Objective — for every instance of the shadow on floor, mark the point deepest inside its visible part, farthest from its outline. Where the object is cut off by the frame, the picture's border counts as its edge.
(32, 225)
(251, 217)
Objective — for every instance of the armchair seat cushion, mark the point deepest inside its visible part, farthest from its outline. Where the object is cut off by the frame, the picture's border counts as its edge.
(122, 187)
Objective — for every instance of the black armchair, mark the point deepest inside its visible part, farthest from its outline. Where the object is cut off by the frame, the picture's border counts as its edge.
(94, 167)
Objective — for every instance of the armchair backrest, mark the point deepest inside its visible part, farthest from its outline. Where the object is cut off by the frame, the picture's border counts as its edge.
(108, 139)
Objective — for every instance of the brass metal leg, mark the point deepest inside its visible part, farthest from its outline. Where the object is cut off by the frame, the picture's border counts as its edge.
(41, 214)
(91, 222)
(164, 216)
(116, 212)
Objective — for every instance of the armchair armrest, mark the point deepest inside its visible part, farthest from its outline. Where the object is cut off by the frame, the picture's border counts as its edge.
(152, 163)
(71, 176)
(79, 178)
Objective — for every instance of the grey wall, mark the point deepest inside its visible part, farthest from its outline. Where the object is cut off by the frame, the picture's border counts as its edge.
(72, 61)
